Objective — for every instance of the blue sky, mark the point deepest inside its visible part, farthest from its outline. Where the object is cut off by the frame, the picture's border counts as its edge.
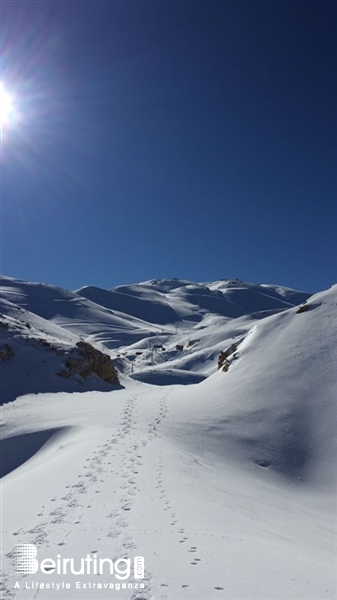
(170, 139)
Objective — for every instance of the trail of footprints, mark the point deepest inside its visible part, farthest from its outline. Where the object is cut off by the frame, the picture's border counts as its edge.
(183, 536)
(73, 505)
(79, 497)
(153, 426)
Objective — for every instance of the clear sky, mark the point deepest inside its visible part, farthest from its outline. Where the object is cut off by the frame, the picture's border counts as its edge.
(169, 139)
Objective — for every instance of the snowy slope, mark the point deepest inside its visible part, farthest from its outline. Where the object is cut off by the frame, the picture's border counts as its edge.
(35, 352)
(276, 405)
(226, 486)
(171, 300)
(153, 309)
(76, 314)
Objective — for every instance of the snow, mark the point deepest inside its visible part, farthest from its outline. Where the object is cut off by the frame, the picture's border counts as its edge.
(224, 481)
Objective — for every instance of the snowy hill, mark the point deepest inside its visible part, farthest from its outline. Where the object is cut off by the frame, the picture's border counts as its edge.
(223, 479)
(275, 407)
(35, 354)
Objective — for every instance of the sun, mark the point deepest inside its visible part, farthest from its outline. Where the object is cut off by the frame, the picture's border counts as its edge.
(6, 106)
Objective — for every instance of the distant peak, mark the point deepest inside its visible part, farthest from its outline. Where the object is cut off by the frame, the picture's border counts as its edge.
(233, 280)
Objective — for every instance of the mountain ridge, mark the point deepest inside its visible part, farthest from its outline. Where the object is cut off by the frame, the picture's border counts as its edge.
(151, 327)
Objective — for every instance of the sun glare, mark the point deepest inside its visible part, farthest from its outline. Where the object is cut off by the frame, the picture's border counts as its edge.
(6, 106)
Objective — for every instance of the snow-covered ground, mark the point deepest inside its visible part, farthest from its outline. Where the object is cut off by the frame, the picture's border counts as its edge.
(225, 482)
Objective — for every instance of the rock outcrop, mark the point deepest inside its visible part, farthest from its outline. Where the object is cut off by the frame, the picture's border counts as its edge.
(86, 360)
(303, 308)
(226, 357)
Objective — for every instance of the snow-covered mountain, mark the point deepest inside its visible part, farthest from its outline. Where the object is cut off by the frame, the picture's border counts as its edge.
(163, 331)
(224, 479)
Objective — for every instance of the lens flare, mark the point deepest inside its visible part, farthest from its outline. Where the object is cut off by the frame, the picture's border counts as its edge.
(6, 106)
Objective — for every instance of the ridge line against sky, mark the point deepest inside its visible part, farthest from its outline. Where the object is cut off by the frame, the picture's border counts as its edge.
(155, 139)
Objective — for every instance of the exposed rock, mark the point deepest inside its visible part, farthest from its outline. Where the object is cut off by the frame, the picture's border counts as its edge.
(86, 360)
(303, 308)
(226, 366)
(223, 361)
(6, 352)
(192, 343)
(222, 358)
